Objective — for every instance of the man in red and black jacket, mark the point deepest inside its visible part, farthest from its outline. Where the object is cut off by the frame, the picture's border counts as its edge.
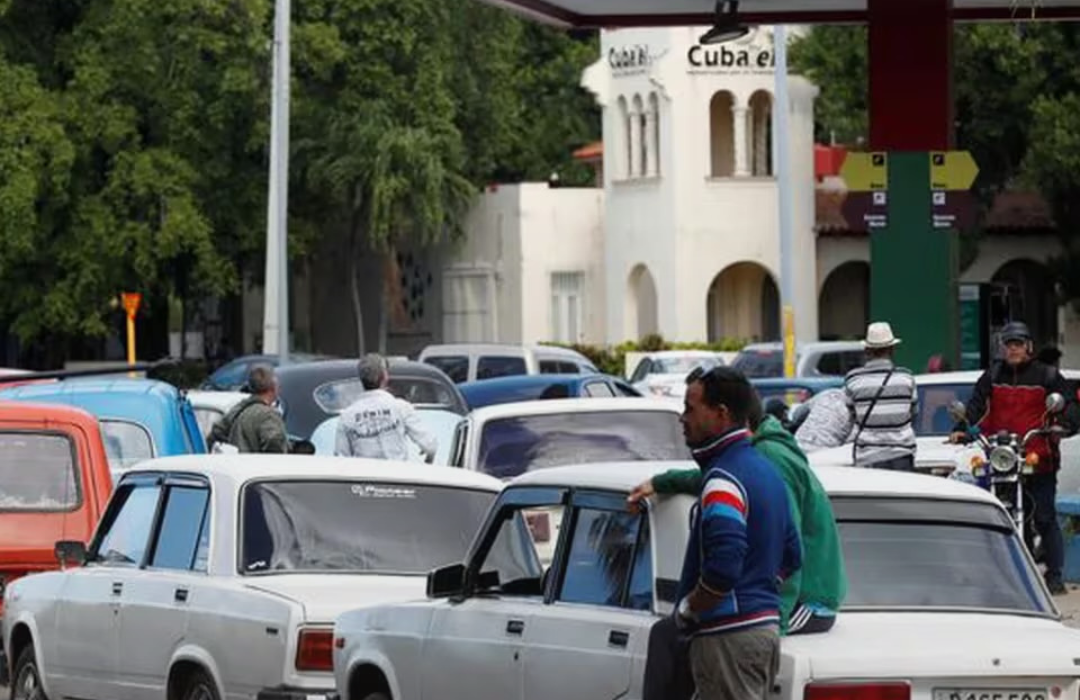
(1011, 396)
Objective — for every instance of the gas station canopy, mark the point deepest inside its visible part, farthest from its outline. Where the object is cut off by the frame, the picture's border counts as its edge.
(652, 13)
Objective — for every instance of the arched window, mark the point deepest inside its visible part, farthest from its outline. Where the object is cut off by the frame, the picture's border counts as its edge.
(654, 135)
(721, 134)
(761, 105)
(637, 137)
(621, 151)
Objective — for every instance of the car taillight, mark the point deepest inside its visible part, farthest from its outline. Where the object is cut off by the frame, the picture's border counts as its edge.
(314, 650)
(857, 691)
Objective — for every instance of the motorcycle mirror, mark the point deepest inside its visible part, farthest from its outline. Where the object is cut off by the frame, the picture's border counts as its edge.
(1055, 403)
(958, 412)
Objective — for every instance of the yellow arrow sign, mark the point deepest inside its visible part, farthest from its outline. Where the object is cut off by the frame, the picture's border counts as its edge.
(863, 172)
(952, 170)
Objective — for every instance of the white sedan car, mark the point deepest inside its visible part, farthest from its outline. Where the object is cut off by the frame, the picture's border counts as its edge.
(944, 603)
(220, 576)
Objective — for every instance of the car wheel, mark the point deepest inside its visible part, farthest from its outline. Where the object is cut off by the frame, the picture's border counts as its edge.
(27, 682)
(200, 686)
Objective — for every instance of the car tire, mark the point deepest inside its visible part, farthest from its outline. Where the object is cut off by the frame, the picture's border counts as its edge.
(26, 684)
(200, 686)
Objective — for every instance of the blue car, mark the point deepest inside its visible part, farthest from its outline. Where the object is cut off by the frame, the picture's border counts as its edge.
(527, 387)
(140, 418)
(794, 390)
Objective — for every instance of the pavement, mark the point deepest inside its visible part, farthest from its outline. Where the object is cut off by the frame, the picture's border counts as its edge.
(1069, 605)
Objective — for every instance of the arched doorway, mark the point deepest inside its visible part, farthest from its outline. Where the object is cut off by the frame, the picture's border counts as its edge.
(1024, 291)
(641, 307)
(743, 302)
(722, 134)
(844, 302)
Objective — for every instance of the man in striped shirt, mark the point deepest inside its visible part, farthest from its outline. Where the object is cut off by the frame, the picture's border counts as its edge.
(884, 404)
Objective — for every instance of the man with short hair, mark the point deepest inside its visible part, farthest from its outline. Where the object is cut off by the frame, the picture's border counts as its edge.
(884, 404)
(377, 424)
(254, 424)
(743, 544)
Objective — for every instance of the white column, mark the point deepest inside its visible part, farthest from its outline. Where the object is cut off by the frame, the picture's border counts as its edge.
(634, 167)
(652, 159)
(738, 121)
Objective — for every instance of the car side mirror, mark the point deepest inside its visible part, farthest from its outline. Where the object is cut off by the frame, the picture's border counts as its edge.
(446, 581)
(958, 412)
(70, 552)
(1055, 403)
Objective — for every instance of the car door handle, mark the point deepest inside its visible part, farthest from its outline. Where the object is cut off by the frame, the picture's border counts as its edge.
(618, 639)
(117, 588)
(181, 595)
(515, 626)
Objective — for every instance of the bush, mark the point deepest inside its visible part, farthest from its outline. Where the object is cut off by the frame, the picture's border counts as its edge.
(612, 359)
(188, 374)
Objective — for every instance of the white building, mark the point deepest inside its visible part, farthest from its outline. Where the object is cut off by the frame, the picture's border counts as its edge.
(681, 235)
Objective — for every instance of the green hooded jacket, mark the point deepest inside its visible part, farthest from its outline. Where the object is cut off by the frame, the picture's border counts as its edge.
(822, 579)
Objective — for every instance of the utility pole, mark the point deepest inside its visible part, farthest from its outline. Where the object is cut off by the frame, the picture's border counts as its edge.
(276, 301)
(781, 109)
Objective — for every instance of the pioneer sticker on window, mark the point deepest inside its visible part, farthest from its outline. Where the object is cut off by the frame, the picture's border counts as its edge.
(382, 491)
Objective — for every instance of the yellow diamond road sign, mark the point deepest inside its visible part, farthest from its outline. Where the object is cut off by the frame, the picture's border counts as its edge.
(863, 172)
(952, 170)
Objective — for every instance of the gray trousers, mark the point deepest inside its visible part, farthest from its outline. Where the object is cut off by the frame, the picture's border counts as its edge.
(736, 665)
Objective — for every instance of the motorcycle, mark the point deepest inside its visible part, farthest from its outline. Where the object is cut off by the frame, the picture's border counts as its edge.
(1003, 459)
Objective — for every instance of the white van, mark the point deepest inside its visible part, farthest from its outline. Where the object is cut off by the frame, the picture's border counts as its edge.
(466, 362)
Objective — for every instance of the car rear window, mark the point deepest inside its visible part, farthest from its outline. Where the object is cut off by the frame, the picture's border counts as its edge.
(335, 397)
(760, 363)
(37, 473)
(356, 526)
(454, 366)
(512, 446)
(934, 401)
(126, 443)
(915, 553)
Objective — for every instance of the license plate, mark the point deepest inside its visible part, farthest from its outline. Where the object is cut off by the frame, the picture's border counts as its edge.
(989, 694)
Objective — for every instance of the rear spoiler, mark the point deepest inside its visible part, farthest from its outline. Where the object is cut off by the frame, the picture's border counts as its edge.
(96, 372)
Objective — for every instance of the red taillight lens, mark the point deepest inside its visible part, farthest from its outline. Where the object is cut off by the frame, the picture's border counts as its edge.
(314, 650)
(857, 691)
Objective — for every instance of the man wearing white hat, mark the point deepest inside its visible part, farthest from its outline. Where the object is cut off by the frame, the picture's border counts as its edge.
(884, 404)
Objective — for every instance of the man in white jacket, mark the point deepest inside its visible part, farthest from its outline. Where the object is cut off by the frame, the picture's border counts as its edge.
(378, 423)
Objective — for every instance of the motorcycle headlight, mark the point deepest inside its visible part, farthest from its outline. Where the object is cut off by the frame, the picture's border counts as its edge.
(1002, 459)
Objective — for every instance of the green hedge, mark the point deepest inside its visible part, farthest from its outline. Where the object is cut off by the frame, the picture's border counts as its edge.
(188, 374)
(612, 360)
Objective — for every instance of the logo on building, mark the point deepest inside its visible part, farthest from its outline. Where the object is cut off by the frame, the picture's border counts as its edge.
(625, 59)
(752, 55)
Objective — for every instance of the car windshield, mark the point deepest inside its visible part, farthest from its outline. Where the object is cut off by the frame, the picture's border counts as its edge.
(126, 443)
(934, 399)
(682, 365)
(37, 473)
(512, 446)
(913, 553)
(454, 366)
(355, 526)
(335, 397)
(760, 363)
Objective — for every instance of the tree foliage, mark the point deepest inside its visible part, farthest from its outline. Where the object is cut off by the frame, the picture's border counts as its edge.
(133, 147)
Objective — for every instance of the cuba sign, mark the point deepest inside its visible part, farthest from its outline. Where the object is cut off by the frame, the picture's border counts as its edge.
(628, 58)
(723, 58)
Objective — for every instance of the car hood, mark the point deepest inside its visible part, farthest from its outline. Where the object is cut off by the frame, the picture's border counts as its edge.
(929, 451)
(325, 596)
(939, 644)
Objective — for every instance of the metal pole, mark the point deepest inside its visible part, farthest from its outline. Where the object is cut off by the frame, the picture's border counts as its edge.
(276, 301)
(781, 108)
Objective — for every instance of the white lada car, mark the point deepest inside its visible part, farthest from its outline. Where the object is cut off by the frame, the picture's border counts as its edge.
(220, 576)
(944, 603)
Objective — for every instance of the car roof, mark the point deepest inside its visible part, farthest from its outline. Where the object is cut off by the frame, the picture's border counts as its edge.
(817, 382)
(524, 380)
(575, 405)
(94, 385)
(238, 469)
(838, 481)
(496, 348)
(32, 411)
(223, 400)
(347, 369)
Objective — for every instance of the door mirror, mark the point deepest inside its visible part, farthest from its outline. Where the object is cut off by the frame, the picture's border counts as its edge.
(70, 552)
(958, 412)
(446, 581)
(1055, 403)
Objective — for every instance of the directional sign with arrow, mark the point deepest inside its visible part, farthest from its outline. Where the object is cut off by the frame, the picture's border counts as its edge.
(952, 170)
(952, 209)
(865, 172)
(865, 210)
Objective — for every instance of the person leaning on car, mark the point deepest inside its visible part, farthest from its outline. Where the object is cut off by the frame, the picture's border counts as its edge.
(254, 425)
(1011, 396)
(743, 544)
